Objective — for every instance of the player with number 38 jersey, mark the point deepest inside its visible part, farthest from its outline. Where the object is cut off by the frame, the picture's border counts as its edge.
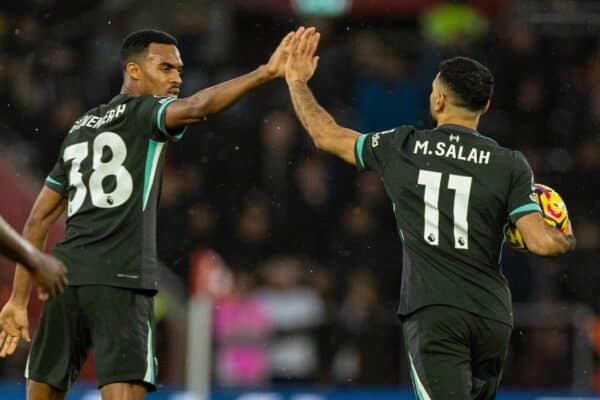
(118, 148)
(107, 177)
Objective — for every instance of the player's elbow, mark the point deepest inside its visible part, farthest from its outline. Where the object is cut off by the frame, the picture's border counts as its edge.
(199, 107)
(40, 220)
(320, 141)
(324, 137)
(35, 223)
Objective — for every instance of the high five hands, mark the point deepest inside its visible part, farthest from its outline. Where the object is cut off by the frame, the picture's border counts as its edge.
(295, 58)
(302, 62)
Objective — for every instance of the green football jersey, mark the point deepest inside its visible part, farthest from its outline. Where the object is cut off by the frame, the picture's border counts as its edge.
(110, 170)
(453, 192)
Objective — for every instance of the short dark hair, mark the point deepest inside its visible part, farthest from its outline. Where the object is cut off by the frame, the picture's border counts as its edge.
(470, 81)
(138, 42)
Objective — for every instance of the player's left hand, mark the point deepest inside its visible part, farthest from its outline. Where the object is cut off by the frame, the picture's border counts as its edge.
(14, 324)
(276, 66)
(302, 62)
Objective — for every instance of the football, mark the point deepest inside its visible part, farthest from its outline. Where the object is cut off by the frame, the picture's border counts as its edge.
(554, 212)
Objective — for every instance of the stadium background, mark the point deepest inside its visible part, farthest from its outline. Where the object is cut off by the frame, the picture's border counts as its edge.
(303, 249)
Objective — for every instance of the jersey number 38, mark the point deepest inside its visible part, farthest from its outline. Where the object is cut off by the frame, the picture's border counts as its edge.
(101, 169)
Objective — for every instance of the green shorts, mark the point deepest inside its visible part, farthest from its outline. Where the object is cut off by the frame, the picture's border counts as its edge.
(117, 323)
(454, 354)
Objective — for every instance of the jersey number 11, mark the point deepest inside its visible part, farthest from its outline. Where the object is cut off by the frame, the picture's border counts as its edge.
(462, 190)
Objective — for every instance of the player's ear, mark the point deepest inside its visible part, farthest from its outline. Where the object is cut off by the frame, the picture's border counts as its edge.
(133, 70)
(486, 107)
(440, 102)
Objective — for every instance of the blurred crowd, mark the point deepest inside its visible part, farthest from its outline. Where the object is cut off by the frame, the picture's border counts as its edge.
(311, 244)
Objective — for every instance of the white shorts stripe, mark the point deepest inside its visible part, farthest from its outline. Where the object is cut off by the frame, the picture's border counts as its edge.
(150, 375)
(419, 388)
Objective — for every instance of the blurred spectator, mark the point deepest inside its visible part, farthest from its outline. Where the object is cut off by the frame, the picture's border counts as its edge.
(455, 26)
(278, 136)
(242, 326)
(311, 215)
(204, 31)
(296, 311)
(359, 242)
(361, 322)
(251, 239)
(387, 87)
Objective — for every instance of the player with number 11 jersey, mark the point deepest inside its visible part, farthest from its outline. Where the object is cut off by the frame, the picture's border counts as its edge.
(442, 183)
(452, 191)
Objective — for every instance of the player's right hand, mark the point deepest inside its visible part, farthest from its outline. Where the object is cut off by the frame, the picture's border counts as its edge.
(50, 274)
(276, 65)
(302, 62)
(14, 324)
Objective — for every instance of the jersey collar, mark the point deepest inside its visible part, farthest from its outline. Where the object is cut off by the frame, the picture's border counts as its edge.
(119, 98)
(459, 128)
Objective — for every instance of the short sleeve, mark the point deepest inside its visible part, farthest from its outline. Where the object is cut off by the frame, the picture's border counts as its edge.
(521, 200)
(374, 150)
(151, 113)
(57, 179)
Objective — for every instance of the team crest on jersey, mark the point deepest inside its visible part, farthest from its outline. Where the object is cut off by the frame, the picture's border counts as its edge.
(375, 140)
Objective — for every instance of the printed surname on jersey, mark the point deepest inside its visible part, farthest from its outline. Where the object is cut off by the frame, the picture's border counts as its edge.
(451, 150)
(92, 121)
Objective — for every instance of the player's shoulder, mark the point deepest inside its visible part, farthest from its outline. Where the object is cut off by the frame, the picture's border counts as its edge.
(115, 102)
(130, 101)
(511, 155)
(149, 106)
(511, 159)
(402, 130)
(393, 134)
(103, 114)
(151, 100)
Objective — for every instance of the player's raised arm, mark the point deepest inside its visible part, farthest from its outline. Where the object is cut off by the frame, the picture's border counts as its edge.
(320, 125)
(542, 239)
(219, 97)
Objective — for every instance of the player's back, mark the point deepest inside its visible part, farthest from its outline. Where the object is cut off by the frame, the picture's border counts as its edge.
(453, 190)
(110, 168)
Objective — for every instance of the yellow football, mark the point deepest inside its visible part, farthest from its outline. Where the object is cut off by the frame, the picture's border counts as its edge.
(554, 211)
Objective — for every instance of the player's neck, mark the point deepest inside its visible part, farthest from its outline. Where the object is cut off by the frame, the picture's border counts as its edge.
(471, 123)
(129, 89)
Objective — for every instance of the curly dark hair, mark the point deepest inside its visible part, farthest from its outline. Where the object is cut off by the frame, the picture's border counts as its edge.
(138, 42)
(470, 81)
